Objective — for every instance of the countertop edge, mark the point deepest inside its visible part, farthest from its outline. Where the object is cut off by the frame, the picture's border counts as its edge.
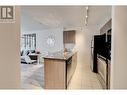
(64, 59)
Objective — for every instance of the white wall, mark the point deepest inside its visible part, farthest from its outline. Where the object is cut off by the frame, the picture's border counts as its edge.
(83, 41)
(9, 53)
(42, 36)
(119, 48)
(83, 44)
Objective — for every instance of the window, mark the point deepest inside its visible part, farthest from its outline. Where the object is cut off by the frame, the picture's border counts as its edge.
(28, 41)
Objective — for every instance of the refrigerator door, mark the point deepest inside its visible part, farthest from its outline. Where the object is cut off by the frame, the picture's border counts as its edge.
(99, 42)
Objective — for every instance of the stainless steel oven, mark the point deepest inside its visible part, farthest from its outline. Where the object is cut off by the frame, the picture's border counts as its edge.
(103, 67)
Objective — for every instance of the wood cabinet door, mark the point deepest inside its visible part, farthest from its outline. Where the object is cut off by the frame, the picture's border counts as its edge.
(69, 36)
(106, 27)
(54, 74)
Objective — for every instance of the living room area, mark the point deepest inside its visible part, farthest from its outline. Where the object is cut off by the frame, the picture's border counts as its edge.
(37, 40)
(32, 67)
(31, 63)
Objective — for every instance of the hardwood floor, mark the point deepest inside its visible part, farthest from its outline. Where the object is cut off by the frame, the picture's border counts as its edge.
(32, 76)
(84, 78)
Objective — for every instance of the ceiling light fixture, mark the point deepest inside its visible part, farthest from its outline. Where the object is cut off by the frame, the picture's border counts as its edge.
(86, 17)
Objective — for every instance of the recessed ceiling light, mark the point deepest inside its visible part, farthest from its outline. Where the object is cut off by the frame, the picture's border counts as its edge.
(87, 8)
(86, 16)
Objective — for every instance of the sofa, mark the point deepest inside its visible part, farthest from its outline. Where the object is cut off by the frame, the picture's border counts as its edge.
(25, 58)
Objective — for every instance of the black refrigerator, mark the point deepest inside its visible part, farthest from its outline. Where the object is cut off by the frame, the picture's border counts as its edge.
(97, 47)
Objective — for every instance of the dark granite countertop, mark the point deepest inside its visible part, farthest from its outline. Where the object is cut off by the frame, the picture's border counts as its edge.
(60, 55)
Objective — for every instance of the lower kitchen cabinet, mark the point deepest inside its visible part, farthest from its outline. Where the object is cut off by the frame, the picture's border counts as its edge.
(103, 71)
(58, 70)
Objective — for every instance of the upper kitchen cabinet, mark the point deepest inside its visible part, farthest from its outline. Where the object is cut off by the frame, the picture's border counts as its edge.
(106, 27)
(69, 36)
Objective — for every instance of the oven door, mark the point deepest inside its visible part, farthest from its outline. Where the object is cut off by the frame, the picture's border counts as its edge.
(102, 71)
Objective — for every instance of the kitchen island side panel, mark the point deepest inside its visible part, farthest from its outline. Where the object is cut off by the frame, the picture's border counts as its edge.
(54, 74)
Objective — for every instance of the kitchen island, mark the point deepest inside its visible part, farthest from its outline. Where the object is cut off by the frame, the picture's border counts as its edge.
(59, 68)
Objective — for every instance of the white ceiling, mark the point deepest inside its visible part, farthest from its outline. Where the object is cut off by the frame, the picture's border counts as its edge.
(46, 17)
